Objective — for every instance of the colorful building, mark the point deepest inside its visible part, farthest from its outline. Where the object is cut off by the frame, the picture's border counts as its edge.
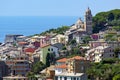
(99, 53)
(75, 64)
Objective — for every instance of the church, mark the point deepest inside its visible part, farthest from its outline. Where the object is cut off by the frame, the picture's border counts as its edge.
(80, 28)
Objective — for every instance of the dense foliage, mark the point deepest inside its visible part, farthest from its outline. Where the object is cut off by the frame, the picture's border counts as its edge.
(117, 51)
(102, 19)
(37, 67)
(86, 39)
(31, 76)
(117, 28)
(59, 30)
(108, 69)
(111, 37)
(50, 59)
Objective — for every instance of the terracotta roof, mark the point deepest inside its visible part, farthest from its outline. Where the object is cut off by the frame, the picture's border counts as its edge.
(32, 50)
(78, 58)
(63, 66)
(45, 45)
(62, 60)
(49, 79)
(22, 43)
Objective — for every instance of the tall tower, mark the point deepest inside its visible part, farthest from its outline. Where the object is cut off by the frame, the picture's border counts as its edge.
(88, 21)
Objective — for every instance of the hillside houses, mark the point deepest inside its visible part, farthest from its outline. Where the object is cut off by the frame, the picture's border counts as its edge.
(99, 53)
(68, 53)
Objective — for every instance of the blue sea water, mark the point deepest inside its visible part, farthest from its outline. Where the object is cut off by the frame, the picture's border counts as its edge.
(29, 25)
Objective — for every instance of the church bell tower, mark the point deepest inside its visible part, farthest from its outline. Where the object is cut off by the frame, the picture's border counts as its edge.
(88, 21)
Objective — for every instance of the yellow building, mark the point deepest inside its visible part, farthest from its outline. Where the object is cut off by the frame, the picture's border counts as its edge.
(77, 64)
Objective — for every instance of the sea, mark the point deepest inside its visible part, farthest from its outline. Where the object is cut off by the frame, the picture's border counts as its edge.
(30, 25)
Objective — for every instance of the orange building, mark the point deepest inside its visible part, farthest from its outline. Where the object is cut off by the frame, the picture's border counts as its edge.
(75, 64)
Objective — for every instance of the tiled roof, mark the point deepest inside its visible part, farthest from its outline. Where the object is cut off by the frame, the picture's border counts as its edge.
(32, 50)
(63, 66)
(49, 79)
(62, 60)
(22, 43)
(45, 45)
(78, 58)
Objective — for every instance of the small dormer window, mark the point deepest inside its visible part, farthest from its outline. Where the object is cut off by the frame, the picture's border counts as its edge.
(48, 49)
(51, 49)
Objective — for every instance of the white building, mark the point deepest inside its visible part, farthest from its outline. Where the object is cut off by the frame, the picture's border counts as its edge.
(58, 39)
(15, 78)
(71, 76)
(80, 27)
(54, 50)
(99, 53)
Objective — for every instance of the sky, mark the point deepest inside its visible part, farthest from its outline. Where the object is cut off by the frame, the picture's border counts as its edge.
(55, 7)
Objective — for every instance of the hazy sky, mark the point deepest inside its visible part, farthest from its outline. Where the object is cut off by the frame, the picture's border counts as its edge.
(55, 7)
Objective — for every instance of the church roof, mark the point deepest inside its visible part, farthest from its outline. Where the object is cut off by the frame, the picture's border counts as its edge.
(79, 21)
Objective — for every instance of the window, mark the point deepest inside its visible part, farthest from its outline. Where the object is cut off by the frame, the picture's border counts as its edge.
(21, 58)
(74, 78)
(48, 49)
(65, 78)
(60, 78)
(51, 49)
(110, 55)
(113, 55)
(82, 68)
(110, 50)
(81, 62)
(101, 55)
(56, 77)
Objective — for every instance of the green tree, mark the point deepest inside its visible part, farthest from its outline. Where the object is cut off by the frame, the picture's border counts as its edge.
(116, 77)
(101, 19)
(59, 30)
(48, 60)
(87, 39)
(37, 67)
(31, 76)
(107, 69)
(117, 28)
(64, 48)
(110, 16)
(73, 42)
(52, 58)
(116, 51)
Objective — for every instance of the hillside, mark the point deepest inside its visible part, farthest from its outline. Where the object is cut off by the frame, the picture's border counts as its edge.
(100, 20)
(110, 18)
(59, 30)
